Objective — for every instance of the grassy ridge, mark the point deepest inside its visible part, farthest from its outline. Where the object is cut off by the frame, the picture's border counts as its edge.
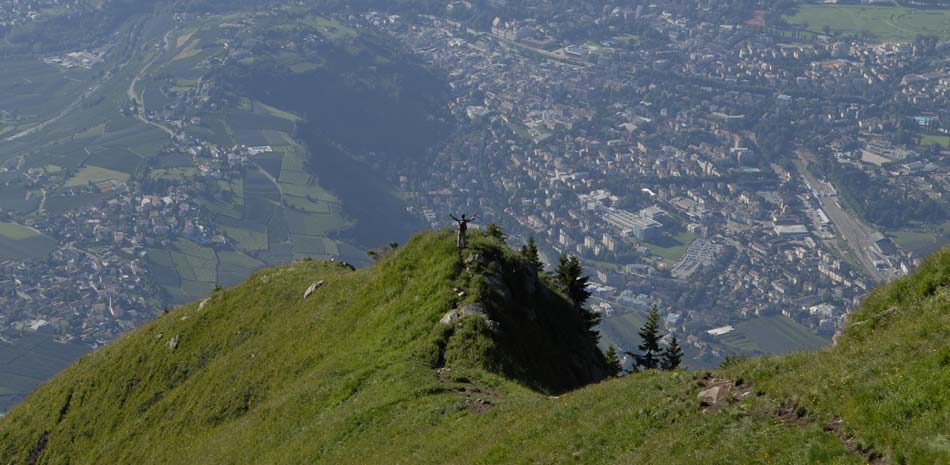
(362, 372)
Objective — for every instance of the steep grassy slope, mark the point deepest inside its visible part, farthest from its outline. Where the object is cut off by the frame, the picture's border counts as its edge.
(363, 372)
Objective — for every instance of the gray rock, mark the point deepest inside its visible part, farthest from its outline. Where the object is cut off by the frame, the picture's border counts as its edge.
(173, 343)
(710, 396)
(203, 303)
(472, 309)
(313, 287)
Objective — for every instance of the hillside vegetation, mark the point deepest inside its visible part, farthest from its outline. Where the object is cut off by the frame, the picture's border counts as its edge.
(362, 371)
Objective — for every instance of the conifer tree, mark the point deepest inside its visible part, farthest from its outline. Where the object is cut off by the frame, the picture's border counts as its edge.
(613, 363)
(494, 230)
(568, 277)
(530, 252)
(650, 347)
(672, 356)
(568, 274)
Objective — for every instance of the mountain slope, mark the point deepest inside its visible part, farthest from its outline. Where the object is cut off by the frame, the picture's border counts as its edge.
(363, 372)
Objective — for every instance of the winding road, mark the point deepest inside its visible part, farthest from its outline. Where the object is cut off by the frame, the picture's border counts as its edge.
(140, 97)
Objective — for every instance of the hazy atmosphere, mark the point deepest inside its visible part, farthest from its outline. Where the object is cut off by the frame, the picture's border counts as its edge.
(483, 231)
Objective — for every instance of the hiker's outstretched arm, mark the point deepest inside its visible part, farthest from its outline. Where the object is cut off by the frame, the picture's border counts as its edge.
(453, 217)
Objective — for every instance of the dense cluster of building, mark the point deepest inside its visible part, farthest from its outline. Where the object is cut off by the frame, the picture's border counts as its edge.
(666, 146)
(646, 159)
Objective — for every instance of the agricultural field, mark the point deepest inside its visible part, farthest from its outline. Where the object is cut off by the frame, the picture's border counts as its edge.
(95, 174)
(882, 22)
(33, 358)
(18, 198)
(270, 210)
(922, 240)
(621, 330)
(20, 242)
(16, 232)
(32, 91)
(772, 335)
(185, 270)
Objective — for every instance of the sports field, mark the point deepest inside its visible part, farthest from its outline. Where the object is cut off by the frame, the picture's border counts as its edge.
(882, 22)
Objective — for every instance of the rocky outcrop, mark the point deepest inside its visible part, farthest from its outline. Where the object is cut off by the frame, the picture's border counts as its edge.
(313, 287)
(454, 315)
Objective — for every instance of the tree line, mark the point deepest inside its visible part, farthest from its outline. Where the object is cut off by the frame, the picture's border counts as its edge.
(569, 278)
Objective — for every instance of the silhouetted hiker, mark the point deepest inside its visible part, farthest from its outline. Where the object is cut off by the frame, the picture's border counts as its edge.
(463, 227)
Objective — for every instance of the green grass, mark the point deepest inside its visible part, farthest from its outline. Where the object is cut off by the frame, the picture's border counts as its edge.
(307, 205)
(887, 377)
(520, 130)
(628, 39)
(294, 177)
(621, 330)
(267, 109)
(330, 28)
(930, 139)
(305, 67)
(672, 247)
(349, 375)
(16, 232)
(234, 267)
(195, 262)
(22, 243)
(247, 239)
(778, 335)
(920, 242)
(28, 360)
(94, 174)
(883, 22)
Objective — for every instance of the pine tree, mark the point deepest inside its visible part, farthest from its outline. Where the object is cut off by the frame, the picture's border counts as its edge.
(494, 230)
(650, 336)
(568, 274)
(672, 356)
(568, 277)
(613, 363)
(530, 252)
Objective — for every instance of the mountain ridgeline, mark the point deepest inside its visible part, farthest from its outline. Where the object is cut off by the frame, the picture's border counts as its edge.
(437, 356)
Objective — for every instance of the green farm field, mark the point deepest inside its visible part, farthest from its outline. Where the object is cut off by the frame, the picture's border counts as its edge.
(16, 232)
(922, 240)
(772, 335)
(19, 242)
(93, 174)
(33, 357)
(882, 22)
